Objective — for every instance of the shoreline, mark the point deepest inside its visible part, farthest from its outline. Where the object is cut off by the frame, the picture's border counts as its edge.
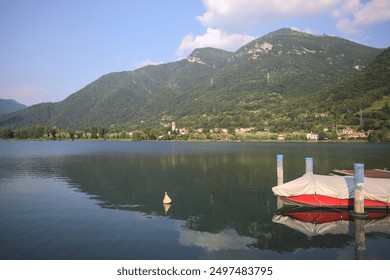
(193, 140)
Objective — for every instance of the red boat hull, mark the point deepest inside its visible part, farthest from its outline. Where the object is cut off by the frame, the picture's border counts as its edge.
(327, 201)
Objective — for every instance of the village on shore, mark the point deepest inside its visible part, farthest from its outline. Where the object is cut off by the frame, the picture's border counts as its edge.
(171, 132)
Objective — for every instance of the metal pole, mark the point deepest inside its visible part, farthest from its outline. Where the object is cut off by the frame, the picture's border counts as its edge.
(309, 165)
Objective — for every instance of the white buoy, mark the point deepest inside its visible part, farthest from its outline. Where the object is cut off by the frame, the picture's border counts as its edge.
(167, 199)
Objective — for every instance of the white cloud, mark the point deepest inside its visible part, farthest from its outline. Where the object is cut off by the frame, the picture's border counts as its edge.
(241, 15)
(229, 21)
(354, 15)
(350, 6)
(373, 12)
(212, 38)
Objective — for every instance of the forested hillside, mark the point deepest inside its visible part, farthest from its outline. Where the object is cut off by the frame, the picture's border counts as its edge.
(284, 81)
(348, 99)
(10, 105)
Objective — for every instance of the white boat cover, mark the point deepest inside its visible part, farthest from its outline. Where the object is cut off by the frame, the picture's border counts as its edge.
(341, 187)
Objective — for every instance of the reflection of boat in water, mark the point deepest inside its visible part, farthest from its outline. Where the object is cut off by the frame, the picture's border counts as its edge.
(320, 221)
(312, 229)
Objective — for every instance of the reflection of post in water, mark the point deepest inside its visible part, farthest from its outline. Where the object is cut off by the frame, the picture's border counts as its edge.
(358, 213)
(360, 238)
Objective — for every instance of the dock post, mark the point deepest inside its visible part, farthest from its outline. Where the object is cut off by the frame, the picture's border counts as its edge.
(309, 165)
(279, 169)
(358, 213)
(358, 188)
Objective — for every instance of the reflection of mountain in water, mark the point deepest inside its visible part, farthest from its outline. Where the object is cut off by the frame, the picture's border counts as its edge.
(211, 193)
(224, 197)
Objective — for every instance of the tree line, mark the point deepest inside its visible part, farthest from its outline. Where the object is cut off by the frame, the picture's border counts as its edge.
(40, 132)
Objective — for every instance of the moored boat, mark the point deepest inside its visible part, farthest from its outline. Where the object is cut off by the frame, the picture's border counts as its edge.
(333, 191)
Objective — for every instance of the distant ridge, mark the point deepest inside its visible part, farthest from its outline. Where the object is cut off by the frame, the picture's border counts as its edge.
(10, 105)
(267, 83)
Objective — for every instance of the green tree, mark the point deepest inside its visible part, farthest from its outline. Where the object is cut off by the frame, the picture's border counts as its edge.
(386, 108)
(231, 130)
(6, 133)
(101, 132)
(375, 136)
(94, 132)
(380, 135)
(137, 135)
(151, 133)
(322, 135)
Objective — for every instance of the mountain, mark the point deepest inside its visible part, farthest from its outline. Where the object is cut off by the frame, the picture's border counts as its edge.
(211, 88)
(10, 105)
(360, 91)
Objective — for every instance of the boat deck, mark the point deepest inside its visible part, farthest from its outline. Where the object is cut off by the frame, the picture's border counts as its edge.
(372, 173)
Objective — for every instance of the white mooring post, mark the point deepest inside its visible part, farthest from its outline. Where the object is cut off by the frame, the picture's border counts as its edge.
(358, 188)
(309, 165)
(279, 169)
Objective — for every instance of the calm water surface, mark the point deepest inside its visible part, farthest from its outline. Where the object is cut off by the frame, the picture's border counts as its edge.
(103, 200)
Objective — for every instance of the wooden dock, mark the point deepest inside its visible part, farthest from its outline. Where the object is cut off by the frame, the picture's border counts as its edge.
(372, 173)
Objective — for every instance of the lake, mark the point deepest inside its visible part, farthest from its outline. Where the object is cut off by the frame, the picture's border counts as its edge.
(103, 200)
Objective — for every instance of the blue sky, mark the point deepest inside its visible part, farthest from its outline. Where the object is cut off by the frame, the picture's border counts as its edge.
(49, 49)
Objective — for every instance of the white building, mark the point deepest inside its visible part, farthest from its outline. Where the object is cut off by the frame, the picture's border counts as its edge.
(312, 136)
